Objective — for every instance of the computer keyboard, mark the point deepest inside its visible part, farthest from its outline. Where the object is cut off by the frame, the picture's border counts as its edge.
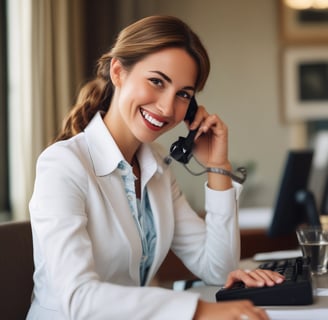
(295, 290)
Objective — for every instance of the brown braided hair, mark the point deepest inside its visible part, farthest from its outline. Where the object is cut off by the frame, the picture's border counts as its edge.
(135, 42)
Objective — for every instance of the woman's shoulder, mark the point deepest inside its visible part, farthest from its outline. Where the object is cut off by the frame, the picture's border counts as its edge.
(66, 151)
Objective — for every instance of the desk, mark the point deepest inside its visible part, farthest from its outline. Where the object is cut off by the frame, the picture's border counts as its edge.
(207, 293)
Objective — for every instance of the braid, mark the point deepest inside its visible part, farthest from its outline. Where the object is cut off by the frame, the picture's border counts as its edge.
(94, 96)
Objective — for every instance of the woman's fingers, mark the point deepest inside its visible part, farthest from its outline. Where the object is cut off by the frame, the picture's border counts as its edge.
(231, 310)
(270, 278)
(211, 140)
(254, 278)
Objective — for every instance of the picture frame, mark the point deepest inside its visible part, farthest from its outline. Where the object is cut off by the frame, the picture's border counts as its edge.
(305, 83)
(302, 26)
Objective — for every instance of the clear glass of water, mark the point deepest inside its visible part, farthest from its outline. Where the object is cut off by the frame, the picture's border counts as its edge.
(314, 245)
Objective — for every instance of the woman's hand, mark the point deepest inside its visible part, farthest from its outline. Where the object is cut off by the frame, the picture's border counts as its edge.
(254, 278)
(211, 141)
(241, 309)
(211, 146)
(234, 310)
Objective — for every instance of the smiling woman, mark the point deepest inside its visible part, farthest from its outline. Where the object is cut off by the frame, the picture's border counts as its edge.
(106, 208)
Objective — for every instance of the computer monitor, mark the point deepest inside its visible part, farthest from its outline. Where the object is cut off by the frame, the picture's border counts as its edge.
(324, 199)
(289, 211)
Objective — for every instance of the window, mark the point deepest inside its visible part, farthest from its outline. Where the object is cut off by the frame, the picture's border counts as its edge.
(4, 172)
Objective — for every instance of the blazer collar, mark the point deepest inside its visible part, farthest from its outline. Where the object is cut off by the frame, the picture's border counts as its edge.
(105, 154)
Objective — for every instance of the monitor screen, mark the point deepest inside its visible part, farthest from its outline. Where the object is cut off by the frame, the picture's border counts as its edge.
(324, 199)
(289, 213)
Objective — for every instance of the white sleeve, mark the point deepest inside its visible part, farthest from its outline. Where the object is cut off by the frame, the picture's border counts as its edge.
(211, 248)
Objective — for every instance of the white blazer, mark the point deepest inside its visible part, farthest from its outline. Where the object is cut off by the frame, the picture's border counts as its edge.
(86, 245)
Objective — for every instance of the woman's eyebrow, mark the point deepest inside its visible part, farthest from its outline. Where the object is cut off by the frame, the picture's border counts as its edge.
(169, 80)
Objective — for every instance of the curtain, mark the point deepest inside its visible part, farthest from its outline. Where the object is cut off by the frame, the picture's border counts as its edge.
(45, 60)
(51, 44)
(4, 194)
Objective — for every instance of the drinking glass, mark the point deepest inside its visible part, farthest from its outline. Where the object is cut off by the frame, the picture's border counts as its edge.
(314, 245)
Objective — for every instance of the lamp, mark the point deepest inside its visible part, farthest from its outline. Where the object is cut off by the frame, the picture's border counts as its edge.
(307, 4)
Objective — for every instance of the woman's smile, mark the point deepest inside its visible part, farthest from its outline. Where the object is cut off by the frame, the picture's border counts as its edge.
(152, 121)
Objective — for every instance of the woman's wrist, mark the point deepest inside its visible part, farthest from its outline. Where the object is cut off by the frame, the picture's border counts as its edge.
(219, 181)
(239, 175)
(224, 165)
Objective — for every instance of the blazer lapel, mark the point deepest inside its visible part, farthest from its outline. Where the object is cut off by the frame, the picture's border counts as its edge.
(105, 156)
(119, 207)
(161, 204)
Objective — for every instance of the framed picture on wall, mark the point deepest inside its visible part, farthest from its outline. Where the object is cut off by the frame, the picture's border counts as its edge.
(303, 26)
(305, 83)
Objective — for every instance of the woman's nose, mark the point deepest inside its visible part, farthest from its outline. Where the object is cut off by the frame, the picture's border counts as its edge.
(166, 105)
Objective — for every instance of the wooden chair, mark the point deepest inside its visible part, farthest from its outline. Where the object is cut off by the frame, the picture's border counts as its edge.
(16, 269)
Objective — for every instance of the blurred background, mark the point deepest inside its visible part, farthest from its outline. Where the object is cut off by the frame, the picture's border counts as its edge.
(49, 49)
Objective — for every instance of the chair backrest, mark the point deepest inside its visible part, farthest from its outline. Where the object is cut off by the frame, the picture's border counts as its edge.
(16, 269)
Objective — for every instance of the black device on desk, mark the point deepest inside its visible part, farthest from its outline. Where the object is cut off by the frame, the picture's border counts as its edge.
(295, 290)
(295, 203)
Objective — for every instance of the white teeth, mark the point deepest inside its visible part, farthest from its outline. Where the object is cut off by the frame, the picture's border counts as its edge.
(150, 119)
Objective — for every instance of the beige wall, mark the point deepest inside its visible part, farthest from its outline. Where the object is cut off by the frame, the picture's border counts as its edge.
(243, 88)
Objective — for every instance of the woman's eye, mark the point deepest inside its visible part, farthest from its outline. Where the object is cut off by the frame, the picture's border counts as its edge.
(184, 94)
(156, 82)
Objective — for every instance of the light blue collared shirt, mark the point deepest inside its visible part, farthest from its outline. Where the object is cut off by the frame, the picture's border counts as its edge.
(143, 217)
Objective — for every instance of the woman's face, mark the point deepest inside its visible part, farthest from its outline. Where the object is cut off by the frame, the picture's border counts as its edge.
(154, 95)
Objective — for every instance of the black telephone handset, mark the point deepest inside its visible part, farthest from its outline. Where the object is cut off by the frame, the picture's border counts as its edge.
(181, 150)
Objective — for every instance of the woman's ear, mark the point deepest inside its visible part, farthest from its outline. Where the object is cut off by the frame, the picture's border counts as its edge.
(116, 72)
